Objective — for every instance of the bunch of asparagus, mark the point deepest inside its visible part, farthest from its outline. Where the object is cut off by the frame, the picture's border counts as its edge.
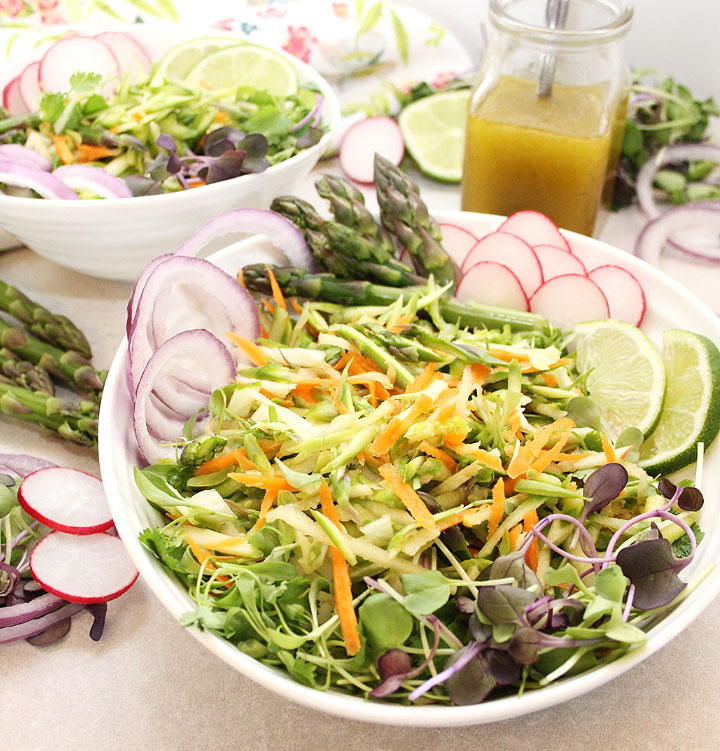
(37, 350)
(358, 257)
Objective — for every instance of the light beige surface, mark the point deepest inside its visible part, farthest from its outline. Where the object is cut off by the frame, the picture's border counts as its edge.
(147, 686)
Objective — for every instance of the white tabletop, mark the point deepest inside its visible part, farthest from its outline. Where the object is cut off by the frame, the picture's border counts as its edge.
(147, 685)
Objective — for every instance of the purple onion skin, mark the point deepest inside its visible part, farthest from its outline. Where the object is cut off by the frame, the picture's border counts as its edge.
(38, 625)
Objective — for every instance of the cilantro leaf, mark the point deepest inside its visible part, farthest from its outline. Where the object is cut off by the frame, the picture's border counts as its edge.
(85, 83)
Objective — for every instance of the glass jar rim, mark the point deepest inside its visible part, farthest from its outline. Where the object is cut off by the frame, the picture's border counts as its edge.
(614, 29)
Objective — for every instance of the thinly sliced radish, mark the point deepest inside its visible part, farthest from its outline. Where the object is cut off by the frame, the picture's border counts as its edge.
(95, 179)
(535, 228)
(66, 500)
(83, 568)
(457, 241)
(131, 57)
(29, 85)
(492, 284)
(375, 135)
(12, 99)
(72, 55)
(43, 183)
(569, 299)
(623, 291)
(510, 251)
(558, 262)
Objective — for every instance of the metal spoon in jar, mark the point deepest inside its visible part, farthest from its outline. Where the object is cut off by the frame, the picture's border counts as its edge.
(556, 12)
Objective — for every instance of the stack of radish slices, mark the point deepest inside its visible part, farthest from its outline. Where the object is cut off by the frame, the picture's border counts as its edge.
(528, 264)
(79, 561)
(114, 54)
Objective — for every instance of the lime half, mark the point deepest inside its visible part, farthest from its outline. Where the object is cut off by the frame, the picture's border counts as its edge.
(626, 375)
(692, 404)
(244, 65)
(434, 133)
(180, 60)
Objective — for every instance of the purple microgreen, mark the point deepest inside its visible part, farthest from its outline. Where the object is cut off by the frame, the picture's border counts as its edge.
(310, 138)
(455, 664)
(255, 147)
(524, 645)
(99, 612)
(513, 566)
(652, 568)
(228, 164)
(504, 604)
(603, 486)
(223, 139)
(502, 666)
(465, 604)
(167, 142)
(667, 488)
(140, 185)
(479, 631)
(691, 499)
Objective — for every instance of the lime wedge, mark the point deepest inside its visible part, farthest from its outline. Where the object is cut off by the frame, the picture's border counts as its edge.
(434, 133)
(692, 404)
(626, 375)
(180, 60)
(244, 65)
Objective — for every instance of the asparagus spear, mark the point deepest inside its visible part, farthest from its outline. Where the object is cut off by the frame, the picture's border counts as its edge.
(16, 371)
(74, 422)
(55, 329)
(406, 218)
(69, 365)
(301, 283)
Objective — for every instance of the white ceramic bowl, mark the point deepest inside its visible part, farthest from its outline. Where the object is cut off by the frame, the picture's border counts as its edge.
(115, 238)
(669, 305)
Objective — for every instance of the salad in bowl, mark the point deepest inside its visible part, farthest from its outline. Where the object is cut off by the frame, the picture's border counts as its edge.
(400, 506)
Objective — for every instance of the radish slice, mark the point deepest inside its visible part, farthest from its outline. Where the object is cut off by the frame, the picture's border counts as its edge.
(457, 241)
(25, 155)
(83, 568)
(623, 291)
(132, 59)
(199, 295)
(95, 179)
(492, 283)
(29, 85)
(66, 500)
(197, 351)
(73, 54)
(284, 235)
(535, 228)
(558, 262)
(43, 183)
(12, 99)
(569, 299)
(375, 135)
(510, 251)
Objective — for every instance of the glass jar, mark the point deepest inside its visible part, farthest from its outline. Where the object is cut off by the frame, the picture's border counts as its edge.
(546, 119)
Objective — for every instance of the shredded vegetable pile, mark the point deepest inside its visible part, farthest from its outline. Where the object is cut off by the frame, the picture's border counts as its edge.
(390, 505)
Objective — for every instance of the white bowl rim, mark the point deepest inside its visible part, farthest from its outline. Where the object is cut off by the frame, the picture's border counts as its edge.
(355, 707)
(331, 119)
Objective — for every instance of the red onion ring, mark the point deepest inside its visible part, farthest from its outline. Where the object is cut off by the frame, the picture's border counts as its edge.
(195, 348)
(314, 114)
(138, 288)
(96, 179)
(649, 243)
(25, 155)
(284, 235)
(43, 183)
(23, 464)
(220, 304)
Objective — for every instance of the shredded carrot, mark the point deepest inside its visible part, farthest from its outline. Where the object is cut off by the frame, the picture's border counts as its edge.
(137, 116)
(608, 450)
(372, 385)
(439, 454)
(558, 363)
(202, 557)
(550, 379)
(484, 457)
(407, 495)
(514, 536)
(506, 356)
(268, 306)
(551, 455)
(396, 428)
(480, 372)
(261, 481)
(304, 391)
(276, 291)
(455, 438)
(509, 485)
(531, 557)
(196, 182)
(342, 584)
(62, 149)
(423, 380)
(221, 117)
(251, 349)
(238, 456)
(265, 506)
(498, 506)
(296, 305)
(89, 152)
(241, 279)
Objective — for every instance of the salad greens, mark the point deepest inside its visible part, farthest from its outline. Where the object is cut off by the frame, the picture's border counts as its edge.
(416, 518)
(165, 137)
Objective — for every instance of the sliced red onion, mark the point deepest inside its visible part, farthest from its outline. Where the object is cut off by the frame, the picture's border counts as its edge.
(197, 349)
(25, 155)
(96, 179)
(38, 625)
(23, 464)
(50, 635)
(138, 288)
(43, 183)
(314, 114)
(15, 614)
(681, 152)
(688, 216)
(210, 299)
(283, 234)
